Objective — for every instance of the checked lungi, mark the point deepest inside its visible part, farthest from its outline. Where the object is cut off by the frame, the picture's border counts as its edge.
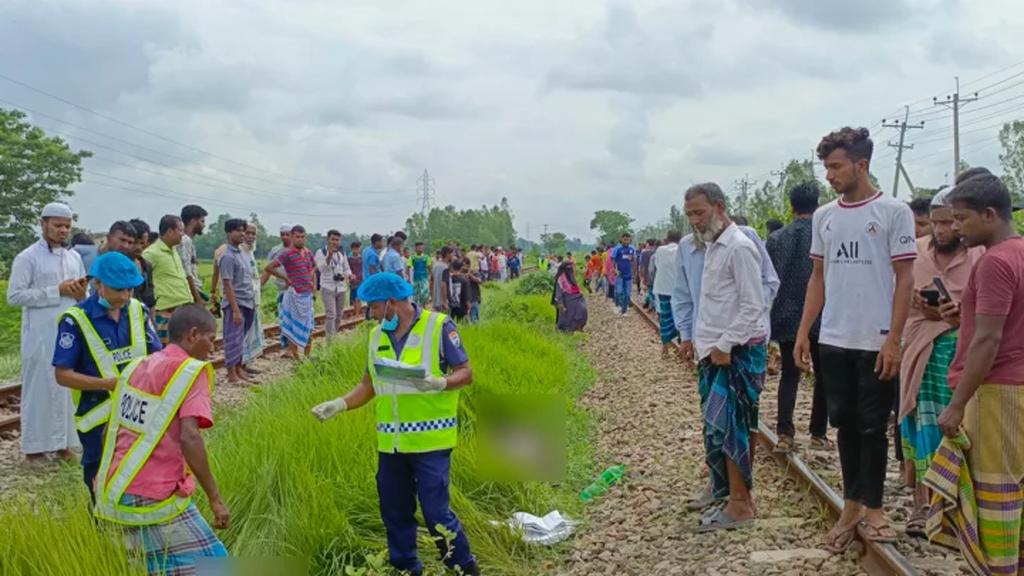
(297, 317)
(919, 430)
(173, 548)
(729, 403)
(666, 323)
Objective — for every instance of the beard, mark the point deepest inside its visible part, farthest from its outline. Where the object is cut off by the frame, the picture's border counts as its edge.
(947, 248)
(715, 227)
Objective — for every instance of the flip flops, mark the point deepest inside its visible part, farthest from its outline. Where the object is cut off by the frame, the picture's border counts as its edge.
(785, 445)
(884, 534)
(838, 540)
(916, 524)
(721, 520)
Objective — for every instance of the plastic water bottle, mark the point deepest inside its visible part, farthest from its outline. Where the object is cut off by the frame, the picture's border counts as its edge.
(602, 483)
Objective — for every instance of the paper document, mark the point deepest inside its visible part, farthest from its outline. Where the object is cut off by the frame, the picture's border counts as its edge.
(395, 370)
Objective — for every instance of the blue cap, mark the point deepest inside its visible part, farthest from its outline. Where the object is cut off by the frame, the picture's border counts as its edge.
(116, 271)
(384, 286)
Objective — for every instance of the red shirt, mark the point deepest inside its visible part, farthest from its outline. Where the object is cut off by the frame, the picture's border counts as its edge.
(299, 266)
(996, 288)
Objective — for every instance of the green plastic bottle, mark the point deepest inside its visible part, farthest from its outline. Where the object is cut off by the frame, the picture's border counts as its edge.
(603, 483)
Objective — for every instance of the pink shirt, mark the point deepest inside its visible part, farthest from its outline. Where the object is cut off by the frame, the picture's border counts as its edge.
(996, 288)
(165, 473)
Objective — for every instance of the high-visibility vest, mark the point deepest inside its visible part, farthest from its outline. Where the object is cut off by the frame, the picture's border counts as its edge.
(409, 420)
(149, 416)
(107, 360)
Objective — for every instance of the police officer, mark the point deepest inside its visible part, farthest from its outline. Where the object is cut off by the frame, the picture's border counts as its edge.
(96, 338)
(417, 418)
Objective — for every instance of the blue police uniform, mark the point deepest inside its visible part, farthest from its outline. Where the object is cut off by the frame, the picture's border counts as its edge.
(72, 352)
(404, 478)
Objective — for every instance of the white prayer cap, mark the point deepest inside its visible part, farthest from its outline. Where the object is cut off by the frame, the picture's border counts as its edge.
(57, 210)
(286, 228)
(939, 200)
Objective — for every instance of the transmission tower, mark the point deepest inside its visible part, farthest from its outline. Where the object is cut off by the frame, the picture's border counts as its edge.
(425, 191)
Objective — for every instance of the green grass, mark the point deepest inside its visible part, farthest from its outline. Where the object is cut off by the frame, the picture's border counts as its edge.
(298, 488)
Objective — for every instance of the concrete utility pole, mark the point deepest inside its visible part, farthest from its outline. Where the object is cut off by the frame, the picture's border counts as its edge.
(903, 126)
(425, 190)
(954, 102)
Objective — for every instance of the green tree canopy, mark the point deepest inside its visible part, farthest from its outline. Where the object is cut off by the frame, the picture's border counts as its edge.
(485, 225)
(610, 225)
(1012, 157)
(34, 170)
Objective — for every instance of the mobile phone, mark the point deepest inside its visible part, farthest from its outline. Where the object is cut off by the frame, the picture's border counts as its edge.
(932, 296)
(943, 293)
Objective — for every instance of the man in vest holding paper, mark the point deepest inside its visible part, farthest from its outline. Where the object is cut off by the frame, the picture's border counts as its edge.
(415, 366)
(96, 339)
(153, 453)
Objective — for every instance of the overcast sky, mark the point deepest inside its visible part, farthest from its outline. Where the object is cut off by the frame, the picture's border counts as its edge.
(326, 113)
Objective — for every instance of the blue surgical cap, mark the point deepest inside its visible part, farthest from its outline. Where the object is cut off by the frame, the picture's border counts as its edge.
(117, 271)
(384, 286)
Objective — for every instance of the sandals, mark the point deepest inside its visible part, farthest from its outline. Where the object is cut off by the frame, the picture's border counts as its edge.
(721, 520)
(838, 540)
(916, 524)
(821, 442)
(784, 445)
(884, 534)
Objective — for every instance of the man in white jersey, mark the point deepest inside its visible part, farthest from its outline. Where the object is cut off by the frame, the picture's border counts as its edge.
(863, 249)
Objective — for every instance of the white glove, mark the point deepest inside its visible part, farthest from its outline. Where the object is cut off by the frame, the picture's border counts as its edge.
(431, 384)
(329, 409)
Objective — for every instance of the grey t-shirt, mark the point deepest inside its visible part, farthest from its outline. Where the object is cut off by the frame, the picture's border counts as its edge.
(236, 267)
(437, 272)
(281, 286)
(189, 259)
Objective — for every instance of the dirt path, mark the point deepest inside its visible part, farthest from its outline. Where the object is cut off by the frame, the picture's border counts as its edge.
(650, 421)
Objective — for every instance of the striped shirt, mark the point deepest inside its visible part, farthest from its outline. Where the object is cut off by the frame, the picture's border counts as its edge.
(299, 266)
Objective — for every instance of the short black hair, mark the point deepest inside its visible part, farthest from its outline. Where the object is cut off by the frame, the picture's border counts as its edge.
(298, 229)
(82, 239)
(626, 235)
(332, 233)
(355, 244)
(804, 197)
(981, 192)
(235, 224)
(376, 238)
(971, 173)
(188, 317)
(674, 236)
(456, 265)
(401, 235)
(192, 212)
(739, 219)
(140, 226)
(123, 227)
(169, 222)
(396, 241)
(921, 206)
(418, 244)
(856, 141)
(445, 251)
(772, 225)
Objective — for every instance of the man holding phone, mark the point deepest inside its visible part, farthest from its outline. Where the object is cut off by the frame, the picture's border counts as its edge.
(941, 271)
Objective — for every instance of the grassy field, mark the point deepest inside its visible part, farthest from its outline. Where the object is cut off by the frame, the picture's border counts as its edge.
(301, 489)
(10, 336)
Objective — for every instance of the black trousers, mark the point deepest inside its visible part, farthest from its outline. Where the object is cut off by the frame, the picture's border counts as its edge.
(788, 385)
(858, 405)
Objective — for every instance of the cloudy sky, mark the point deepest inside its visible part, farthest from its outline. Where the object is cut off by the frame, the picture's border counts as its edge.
(326, 113)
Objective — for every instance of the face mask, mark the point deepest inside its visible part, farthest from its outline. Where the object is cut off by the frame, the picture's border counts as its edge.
(105, 303)
(389, 325)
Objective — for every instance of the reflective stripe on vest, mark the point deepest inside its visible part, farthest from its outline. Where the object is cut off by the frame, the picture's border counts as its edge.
(149, 416)
(107, 360)
(409, 420)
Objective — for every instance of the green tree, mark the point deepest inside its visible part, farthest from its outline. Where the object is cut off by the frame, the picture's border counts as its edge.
(611, 225)
(34, 170)
(1011, 137)
(486, 225)
(555, 243)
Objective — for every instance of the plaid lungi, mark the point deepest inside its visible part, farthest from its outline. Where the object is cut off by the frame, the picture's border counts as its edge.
(161, 319)
(173, 548)
(666, 323)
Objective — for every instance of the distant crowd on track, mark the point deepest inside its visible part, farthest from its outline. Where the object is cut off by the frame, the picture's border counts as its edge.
(893, 309)
(116, 340)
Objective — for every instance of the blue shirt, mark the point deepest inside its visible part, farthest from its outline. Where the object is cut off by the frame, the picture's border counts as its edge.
(370, 258)
(624, 257)
(513, 262)
(453, 354)
(72, 352)
(393, 262)
(686, 294)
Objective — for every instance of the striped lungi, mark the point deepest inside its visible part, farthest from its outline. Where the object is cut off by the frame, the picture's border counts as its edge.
(666, 323)
(297, 317)
(173, 548)
(729, 402)
(161, 320)
(253, 345)
(920, 429)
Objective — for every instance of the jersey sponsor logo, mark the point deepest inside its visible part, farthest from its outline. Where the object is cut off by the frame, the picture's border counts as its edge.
(849, 250)
(67, 340)
(905, 239)
(872, 228)
(134, 409)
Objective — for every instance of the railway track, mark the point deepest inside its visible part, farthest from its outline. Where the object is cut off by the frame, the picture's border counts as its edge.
(10, 392)
(878, 559)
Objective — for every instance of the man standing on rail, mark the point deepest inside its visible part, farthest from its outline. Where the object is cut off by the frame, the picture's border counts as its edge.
(731, 348)
(193, 218)
(297, 317)
(239, 304)
(170, 282)
(666, 275)
(253, 347)
(335, 276)
(286, 244)
(421, 275)
(623, 257)
(929, 344)
(46, 279)
(790, 250)
(153, 453)
(987, 377)
(863, 248)
(417, 419)
(96, 339)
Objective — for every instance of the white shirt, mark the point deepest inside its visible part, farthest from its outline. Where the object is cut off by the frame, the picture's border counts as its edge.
(858, 244)
(47, 413)
(731, 296)
(337, 265)
(666, 273)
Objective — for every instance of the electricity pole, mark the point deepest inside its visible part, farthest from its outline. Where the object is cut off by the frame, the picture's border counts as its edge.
(903, 126)
(742, 204)
(953, 102)
(425, 189)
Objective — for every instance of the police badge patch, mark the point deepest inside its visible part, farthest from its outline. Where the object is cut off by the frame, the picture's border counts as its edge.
(453, 337)
(67, 340)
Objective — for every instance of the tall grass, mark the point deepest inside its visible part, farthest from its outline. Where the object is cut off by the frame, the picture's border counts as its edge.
(298, 488)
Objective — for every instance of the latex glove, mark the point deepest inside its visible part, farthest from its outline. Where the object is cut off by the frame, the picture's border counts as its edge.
(431, 384)
(329, 409)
